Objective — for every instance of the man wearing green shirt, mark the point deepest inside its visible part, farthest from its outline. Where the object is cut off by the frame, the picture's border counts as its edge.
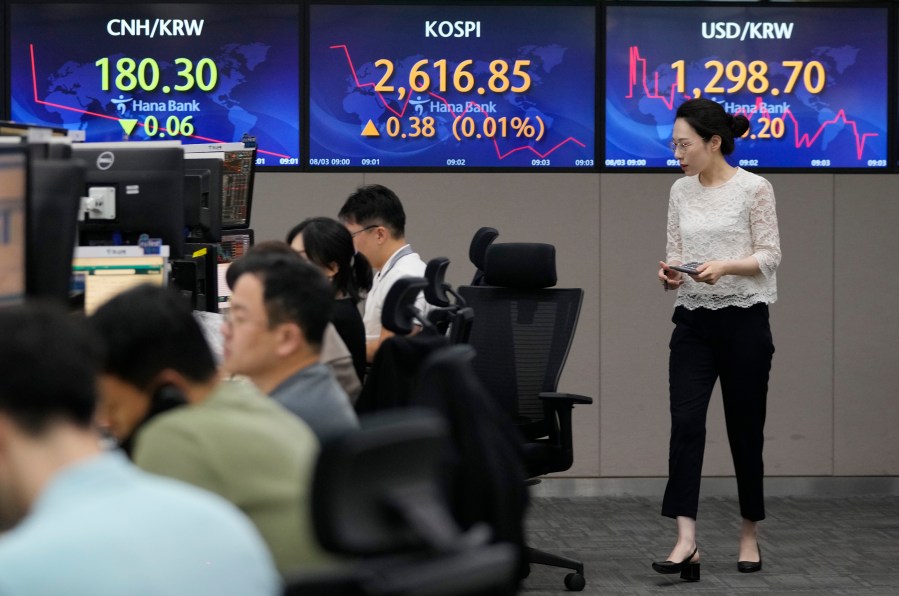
(228, 438)
(84, 522)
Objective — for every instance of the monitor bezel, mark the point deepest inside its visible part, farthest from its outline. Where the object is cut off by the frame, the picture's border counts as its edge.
(176, 242)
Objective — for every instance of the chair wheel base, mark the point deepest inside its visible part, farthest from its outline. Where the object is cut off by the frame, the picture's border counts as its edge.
(575, 582)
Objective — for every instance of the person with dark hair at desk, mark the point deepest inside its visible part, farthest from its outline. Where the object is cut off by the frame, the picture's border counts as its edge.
(722, 224)
(83, 522)
(328, 244)
(230, 438)
(375, 218)
(280, 307)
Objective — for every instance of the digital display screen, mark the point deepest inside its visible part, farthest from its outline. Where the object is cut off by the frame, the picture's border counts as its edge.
(100, 277)
(407, 86)
(813, 81)
(199, 73)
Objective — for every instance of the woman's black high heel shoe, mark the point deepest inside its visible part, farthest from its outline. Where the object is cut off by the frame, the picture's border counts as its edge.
(688, 570)
(751, 566)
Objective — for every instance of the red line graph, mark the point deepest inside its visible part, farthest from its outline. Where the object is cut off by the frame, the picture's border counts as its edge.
(805, 139)
(468, 105)
(637, 63)
(633, 60)
(107, 116)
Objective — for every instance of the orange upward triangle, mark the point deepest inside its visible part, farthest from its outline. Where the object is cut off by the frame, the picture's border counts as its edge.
(370, 130)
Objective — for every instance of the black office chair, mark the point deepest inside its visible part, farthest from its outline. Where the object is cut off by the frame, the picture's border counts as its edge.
(482, 466)
(393, 375)
(376, 500)
(449, 314)
(477, 251)
(522, 332)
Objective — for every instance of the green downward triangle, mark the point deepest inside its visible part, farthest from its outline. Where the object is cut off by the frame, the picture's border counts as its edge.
(128, 125)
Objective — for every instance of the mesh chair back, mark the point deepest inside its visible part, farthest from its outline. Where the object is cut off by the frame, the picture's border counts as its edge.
(522, 338)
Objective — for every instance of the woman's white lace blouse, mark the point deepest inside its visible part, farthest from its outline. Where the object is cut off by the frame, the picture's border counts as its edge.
(731, 221)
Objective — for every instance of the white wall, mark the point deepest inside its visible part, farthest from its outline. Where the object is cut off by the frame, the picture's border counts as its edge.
(836, 371)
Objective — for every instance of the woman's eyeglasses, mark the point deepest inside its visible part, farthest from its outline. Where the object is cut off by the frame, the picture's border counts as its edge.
(682, 146)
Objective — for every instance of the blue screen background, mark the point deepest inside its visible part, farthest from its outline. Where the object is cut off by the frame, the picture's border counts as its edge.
(843, 126)
(255, 48)
(559, 41)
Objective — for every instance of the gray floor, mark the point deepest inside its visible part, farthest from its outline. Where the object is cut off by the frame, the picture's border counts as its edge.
(811, 545)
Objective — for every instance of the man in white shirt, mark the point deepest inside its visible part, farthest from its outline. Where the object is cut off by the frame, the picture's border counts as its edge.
(376, 220)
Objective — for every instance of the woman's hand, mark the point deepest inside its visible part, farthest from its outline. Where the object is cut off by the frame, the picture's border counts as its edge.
(671, 279)
(710, 272)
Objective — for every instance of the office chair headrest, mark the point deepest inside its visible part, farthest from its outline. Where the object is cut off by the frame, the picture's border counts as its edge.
(482, 239)
(523, 265)
(399, 314)
(435, 292)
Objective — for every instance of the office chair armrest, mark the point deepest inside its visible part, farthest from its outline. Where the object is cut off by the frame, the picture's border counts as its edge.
(558, 408)
(562, 398)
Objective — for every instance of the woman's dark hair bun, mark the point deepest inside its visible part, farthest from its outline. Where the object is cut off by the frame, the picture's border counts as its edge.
(740, 125)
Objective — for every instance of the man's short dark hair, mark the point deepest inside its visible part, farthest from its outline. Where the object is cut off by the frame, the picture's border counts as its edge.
(148, 329)
(48, 367)
(294, 290)
(375, 204)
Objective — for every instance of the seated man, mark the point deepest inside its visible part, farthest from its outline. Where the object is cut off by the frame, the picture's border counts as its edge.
(334, 352)
(229, 438)
(280, 306)
(89, 522)
(376, 220)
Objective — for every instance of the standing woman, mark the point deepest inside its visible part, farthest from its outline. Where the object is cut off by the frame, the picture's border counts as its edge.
(327, 243)
(724, 218)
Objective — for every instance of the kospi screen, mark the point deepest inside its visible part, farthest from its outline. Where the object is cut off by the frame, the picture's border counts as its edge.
(201, 73)
(811, 79)
(461, 86)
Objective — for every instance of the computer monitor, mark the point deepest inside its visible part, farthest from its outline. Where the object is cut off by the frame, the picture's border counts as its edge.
(237, 182)
(48, 147)
(23, 129)
(203, 175)
(237, 193)
(13, 224)
(102, 272)
(235, 243)
(136, 191)
(54, 201)
(233, 68)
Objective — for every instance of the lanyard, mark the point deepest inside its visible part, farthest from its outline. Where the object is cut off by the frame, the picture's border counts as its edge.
(406, 250)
